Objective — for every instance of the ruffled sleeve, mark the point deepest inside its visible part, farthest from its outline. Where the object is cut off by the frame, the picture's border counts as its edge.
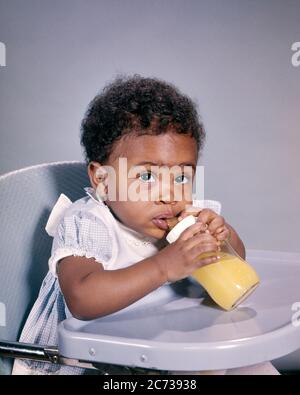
(81, 234)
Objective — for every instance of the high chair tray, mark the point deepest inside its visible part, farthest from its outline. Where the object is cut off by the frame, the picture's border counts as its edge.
(178, 327)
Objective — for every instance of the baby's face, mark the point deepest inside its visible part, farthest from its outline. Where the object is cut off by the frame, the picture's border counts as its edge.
(153, 186)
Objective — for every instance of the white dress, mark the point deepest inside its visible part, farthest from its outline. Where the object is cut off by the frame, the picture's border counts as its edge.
(87, 228)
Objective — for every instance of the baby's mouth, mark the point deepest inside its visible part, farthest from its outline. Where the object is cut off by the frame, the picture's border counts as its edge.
(165, 223)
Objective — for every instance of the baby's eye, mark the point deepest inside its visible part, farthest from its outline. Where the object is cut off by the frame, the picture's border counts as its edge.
(146, 177)
(182, 179)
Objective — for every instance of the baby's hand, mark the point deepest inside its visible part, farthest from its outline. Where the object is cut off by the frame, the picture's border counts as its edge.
(181, 258)
(212, 222)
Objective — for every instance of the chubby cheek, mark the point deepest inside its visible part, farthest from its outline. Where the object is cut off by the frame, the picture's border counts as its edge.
(132, 214)
(141, 219)
(138, 213)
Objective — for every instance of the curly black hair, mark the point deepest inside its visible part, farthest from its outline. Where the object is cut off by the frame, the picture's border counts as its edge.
(136, 105)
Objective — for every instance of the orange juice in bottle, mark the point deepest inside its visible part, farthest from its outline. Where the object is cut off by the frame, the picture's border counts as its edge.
(230, 280)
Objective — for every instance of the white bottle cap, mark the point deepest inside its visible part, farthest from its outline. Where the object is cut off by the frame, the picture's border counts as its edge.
(180, 227)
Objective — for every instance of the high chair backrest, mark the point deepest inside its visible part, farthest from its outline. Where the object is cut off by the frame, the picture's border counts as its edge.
(26, 199)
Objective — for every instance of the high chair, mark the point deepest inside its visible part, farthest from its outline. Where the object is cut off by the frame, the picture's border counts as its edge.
(177, 327)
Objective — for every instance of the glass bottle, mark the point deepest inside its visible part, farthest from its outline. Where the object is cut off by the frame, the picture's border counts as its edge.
(230, 280)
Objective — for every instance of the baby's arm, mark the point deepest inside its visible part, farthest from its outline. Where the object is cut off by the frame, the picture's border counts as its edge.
(91, 292)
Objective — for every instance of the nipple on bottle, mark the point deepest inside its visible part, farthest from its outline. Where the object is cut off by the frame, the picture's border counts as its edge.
(178, 227)
(172, 222)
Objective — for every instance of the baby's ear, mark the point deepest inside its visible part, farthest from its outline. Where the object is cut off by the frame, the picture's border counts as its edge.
(97, 173)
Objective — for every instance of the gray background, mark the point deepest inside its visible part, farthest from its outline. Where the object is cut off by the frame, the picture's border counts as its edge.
(233, 57)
